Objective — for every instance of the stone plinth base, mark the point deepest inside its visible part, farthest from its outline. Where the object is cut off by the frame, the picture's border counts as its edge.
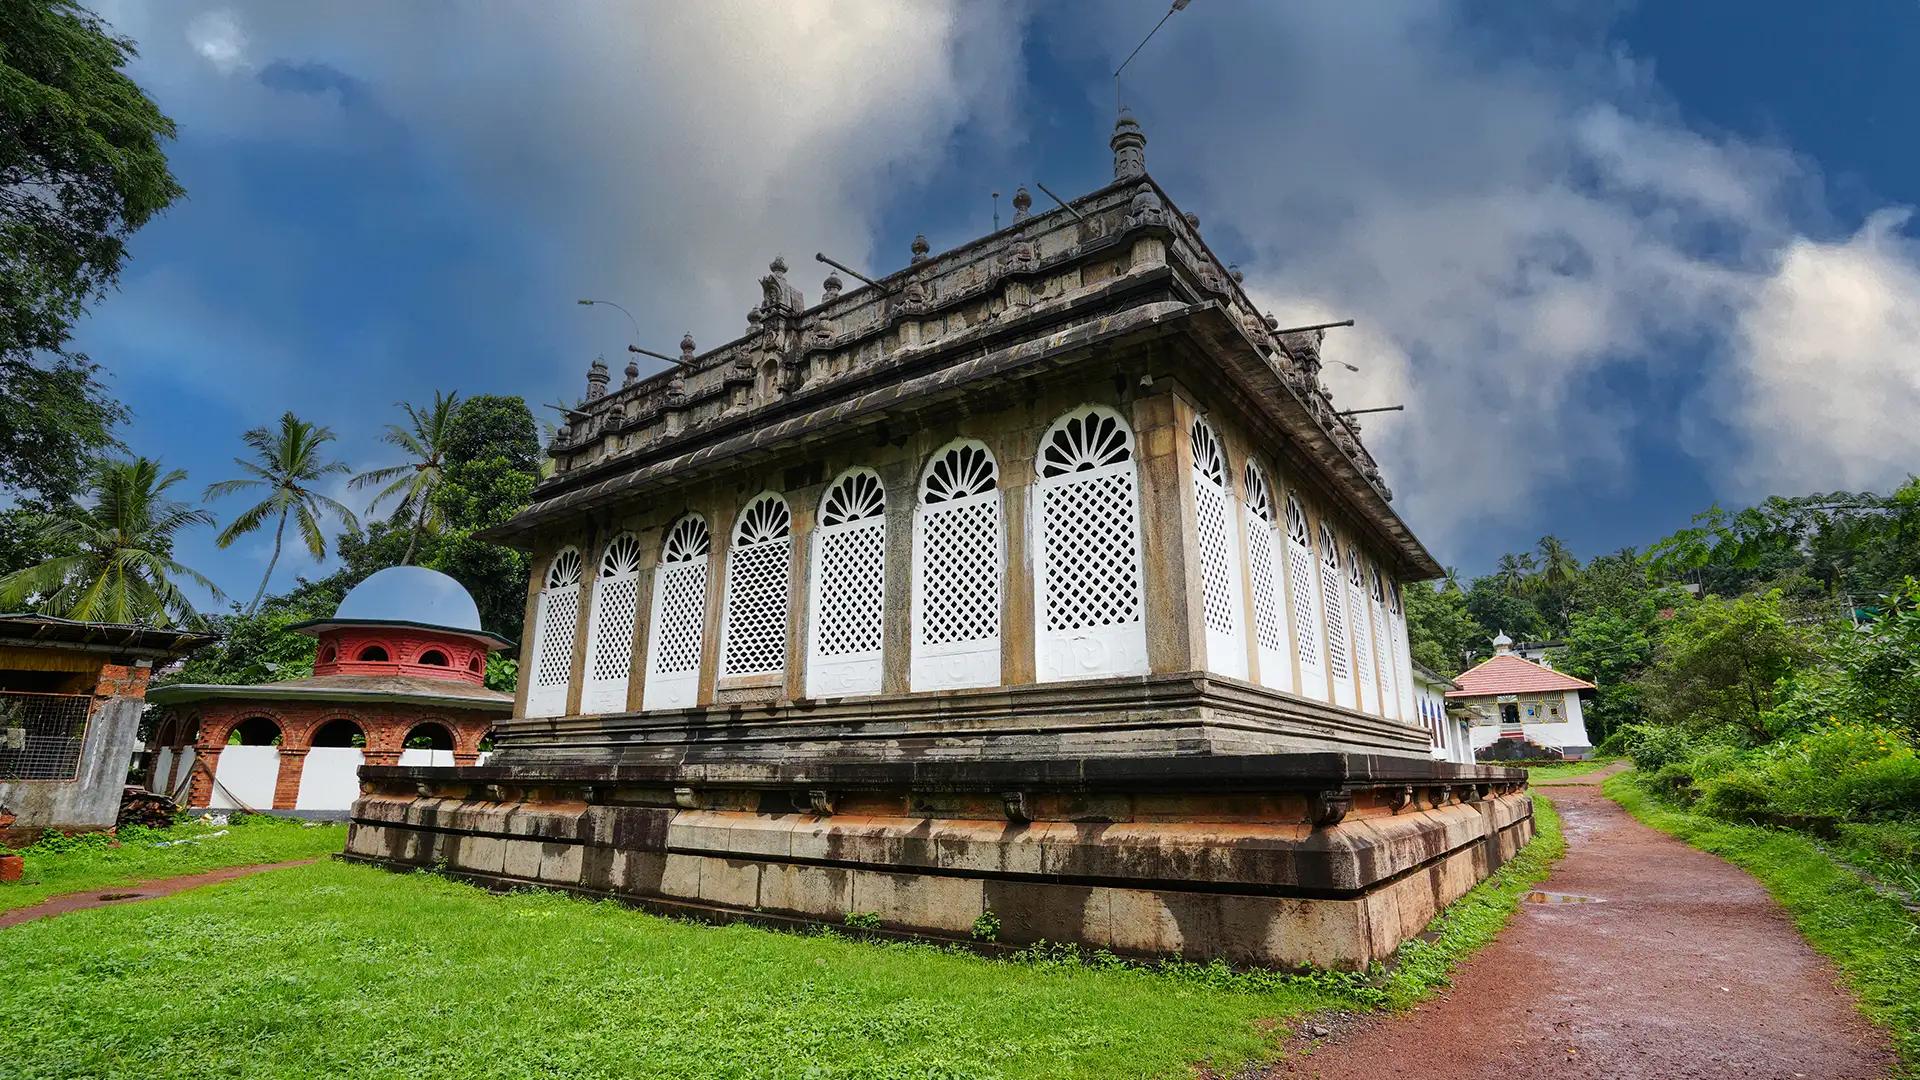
(1286, 860)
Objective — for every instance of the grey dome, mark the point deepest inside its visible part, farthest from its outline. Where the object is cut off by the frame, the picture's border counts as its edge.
(411, 594)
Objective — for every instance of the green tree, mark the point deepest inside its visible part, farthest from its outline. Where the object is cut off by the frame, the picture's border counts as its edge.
(122, 568)
(1441, 633)
(413, 485)
(81, 169)
(1499, 611)
(1722, 663)
(287, 463)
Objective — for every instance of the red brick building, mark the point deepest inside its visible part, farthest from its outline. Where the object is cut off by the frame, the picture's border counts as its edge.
(399, 677)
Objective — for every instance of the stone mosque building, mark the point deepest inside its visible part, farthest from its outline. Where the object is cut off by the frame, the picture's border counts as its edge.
(1039, 578)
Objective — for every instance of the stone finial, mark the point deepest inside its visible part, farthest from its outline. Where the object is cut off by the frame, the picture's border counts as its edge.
(1022, 204)
(778, 265)
(1129, 145)
(686, 347)
(830, 288)
(1273, 322)
(753, 317)
(633, 373)
(920, 247)
(1193, 220)
(597, 378)
(1233, 271)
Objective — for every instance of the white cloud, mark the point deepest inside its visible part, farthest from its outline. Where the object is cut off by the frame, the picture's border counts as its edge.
(1825, 386)
(217, 37)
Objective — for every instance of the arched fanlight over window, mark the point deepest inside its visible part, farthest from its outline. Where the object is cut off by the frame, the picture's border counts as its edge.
(753, 636)
(958, 565)
(556, 613)
(677, 627)
(1269, 592)
(1219, 569)
(848, 588)
(611, 625)
(1090, 603)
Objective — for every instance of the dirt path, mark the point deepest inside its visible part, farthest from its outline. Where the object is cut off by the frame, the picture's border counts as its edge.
(143, 890)
(1680, 967)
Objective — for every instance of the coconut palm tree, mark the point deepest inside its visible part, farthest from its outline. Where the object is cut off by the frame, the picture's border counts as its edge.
(413, 484)
(1558, 564)
(287, 462)
(123, 571)
(1512, 572)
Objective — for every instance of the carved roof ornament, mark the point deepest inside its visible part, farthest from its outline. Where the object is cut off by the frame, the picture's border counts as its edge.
(633, 373)
(1239, 277)
(778, 295)
(1129, 145)
(920, 247)
(597, 379)
(1193, 220)
(830, 288)
(1022, 204)
(686, 348)
(1146, 208)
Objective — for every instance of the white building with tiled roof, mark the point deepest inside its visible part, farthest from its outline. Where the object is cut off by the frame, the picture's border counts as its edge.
(1514, 698)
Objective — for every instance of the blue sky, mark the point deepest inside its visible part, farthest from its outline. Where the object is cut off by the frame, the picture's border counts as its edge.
(1619, 261)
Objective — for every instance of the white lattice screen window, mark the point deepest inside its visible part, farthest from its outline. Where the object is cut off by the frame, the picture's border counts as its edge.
(611, 625)
(1308, 638)
(1383, 640)
(1269, 591)
(556, 616)
(677, 627)
(1402, 650)
(848, 595)
(1219, 570)
(1091, 605)
(958, 564)
(753, 634)
(1334, 599)
(1365, 674)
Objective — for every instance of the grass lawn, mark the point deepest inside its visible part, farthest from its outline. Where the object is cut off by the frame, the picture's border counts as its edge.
(1560, 770)
(1873, 940)
(91, 861)
(344, 971)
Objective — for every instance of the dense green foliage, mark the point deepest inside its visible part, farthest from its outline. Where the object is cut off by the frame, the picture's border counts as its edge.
(1872, 939)
(81, 169)
(111, 557)
(411, 485)
(340, 970)
(64, 864)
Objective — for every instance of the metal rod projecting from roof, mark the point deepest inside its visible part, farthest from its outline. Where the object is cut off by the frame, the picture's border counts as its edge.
(1118, 101)
(1315, 326)
(674, 360)
(1383, 408)
(844, 268)
(571, 413)
(1063, 203)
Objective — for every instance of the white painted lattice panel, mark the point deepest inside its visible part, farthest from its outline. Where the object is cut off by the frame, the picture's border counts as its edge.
(848, 602)
(1334, 600)
(1090, 602)
(1306, 621)
(756, 624)
(556, 617)
(677, 631)
(610, 627)
(1402, 652)
(959, 561)
(1366, 675)
(1386, 646)
(1219, 570)
(1269, 590)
